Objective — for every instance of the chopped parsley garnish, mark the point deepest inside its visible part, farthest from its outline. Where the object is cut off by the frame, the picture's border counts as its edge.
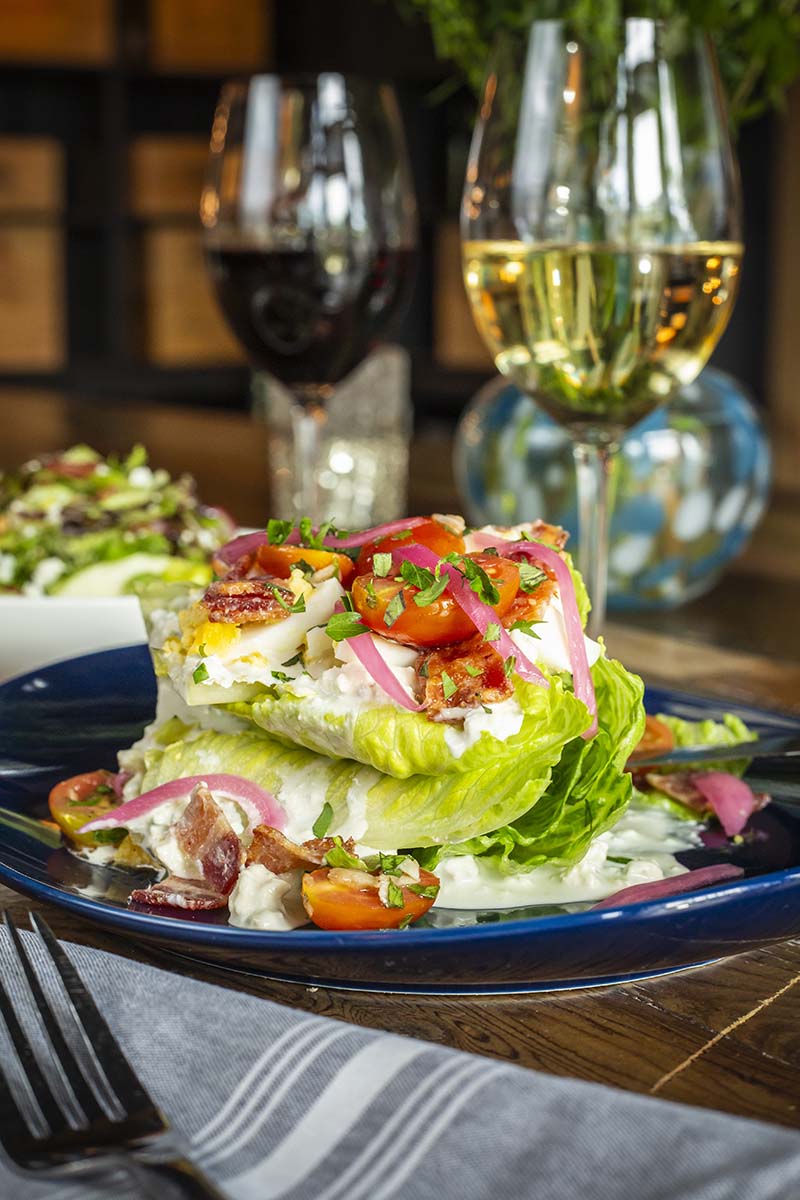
(477, 578)
(402, 536)
(281, 676)
(508, 665)
(294, 660)
(394, 609)
(201, 650)
(381, 564)
(372, 595)
(419, 577)
(448, 687)
(527, 627)
(406, 921)
(299, 605)
(429, 891)
(423, 670)
(429, 594)
(473, 671)
(110, 837)
(337, 856)
(200, 673)
(492, 632)
(344, 625)
(530, 576)
(278, 531)
(486, 709)
(394, 896)
(323, 821)
(305, 568)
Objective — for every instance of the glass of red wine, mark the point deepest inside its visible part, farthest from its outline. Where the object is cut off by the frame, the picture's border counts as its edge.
(309, 224)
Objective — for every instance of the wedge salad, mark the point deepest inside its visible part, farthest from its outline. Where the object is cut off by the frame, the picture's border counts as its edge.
(353, 727)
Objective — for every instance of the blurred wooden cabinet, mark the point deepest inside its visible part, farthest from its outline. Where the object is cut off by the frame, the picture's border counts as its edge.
(207, 34)
(181, 320)
(57, 31)
(165, 175)
(32, 333)
(456, 341)
(31, 176)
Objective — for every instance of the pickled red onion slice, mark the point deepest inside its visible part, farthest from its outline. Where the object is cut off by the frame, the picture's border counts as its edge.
(261, 806)
(689, 881)
(730, 798)
(582, 683)
(378, 669)
(481, 615)
(246, 543)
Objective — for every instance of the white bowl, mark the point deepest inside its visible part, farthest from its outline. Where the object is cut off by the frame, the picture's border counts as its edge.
(35, 631)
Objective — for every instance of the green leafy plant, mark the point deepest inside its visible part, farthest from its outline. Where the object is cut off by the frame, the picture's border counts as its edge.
(757, 41)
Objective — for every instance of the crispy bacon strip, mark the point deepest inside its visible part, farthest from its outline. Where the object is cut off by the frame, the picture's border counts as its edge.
(245, 601)
(551, 535)
(174, 892)
(473, 666)
(275, 852)
(204, 833)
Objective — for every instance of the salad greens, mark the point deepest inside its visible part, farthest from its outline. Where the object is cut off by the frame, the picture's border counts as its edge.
(78, 524)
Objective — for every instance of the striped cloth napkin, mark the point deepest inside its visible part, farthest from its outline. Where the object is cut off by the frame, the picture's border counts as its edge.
(277, 1103)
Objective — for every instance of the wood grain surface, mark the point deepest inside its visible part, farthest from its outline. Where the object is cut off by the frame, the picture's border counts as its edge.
(725, 1036)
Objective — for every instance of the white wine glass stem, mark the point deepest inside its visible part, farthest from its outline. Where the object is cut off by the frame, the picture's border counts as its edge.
(308, 422)
(593, 463)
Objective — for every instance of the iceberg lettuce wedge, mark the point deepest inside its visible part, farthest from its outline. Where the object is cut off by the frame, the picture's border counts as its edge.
(588, 792)
(404, 744)
(377, 809)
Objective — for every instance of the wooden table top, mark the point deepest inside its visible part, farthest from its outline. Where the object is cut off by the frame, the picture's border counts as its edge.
(726, 1036)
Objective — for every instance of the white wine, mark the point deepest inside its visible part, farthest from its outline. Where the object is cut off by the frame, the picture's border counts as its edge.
(599, 333)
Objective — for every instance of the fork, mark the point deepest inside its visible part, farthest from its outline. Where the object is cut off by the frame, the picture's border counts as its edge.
(104, 1121)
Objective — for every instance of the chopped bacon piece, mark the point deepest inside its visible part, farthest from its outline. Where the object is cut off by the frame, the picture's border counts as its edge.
(173, 892)
(204, 833)
(474, 667)
(551, 535)
(275, 852)
(244, 601)
(679, 786)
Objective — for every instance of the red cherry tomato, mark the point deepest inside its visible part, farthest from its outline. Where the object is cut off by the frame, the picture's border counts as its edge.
(431, 534)
(277, 561)
(440, 623)
(656, 739)
(75, 802)
(342, 899)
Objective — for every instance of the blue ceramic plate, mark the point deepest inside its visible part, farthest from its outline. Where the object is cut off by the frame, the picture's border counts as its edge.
(75, 715)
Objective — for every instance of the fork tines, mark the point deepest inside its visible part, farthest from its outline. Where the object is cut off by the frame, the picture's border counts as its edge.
(83, 1096)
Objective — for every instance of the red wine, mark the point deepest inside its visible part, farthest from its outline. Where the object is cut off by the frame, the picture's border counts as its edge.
(306, 316)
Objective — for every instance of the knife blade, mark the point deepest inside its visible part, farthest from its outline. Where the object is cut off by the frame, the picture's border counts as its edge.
(778, 745)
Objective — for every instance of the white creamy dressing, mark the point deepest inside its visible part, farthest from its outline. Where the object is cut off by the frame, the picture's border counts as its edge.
(263, 900)
(648, 837)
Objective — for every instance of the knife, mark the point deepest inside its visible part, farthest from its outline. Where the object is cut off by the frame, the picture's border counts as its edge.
(777, 745)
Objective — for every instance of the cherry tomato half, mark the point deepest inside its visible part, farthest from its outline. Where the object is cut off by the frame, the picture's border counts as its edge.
(656, 739)
(77, 801)
(440, 623)
(277, 561)
(431, 534)
(343, 899)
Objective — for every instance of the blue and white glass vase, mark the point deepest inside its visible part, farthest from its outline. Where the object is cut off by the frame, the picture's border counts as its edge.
(691, 483)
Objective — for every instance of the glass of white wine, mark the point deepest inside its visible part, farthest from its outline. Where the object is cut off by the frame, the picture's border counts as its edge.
(601, 230)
